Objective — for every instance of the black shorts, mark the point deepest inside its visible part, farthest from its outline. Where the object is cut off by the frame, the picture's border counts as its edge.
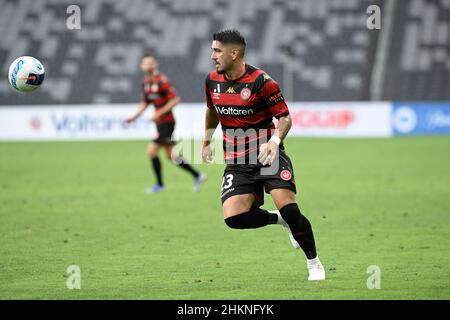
(243, 179)
(165, 131)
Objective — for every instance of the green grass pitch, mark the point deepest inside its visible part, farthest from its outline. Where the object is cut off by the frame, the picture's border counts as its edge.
(383, 202)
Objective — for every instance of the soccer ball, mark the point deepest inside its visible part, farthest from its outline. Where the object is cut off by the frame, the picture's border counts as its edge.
(26, 74)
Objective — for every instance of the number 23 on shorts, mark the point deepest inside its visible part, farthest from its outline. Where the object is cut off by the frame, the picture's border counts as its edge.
(227, 181)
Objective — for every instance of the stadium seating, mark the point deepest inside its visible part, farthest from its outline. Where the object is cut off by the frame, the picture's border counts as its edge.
(419, 57)
(318, 50)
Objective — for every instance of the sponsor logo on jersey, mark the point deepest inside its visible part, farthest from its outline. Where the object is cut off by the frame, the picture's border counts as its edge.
(216, 93)
(153, 96)
(233, 111)
(276, 97)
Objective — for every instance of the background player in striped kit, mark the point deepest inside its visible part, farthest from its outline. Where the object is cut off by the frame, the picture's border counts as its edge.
(157, 89)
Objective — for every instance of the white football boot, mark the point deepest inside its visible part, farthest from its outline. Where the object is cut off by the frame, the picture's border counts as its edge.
(315, 269)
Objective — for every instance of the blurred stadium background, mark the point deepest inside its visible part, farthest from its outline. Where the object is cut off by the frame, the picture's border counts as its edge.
(321, 48)
(324, 58)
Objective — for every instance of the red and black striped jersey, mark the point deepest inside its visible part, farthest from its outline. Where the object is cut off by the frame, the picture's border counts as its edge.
(158, 91)
(249, 103)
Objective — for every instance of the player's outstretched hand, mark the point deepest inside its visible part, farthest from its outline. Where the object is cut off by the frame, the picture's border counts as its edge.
(207, 153)
(128, 120)
(267, 153)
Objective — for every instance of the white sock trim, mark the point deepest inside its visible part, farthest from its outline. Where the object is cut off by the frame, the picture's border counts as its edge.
(315, 261)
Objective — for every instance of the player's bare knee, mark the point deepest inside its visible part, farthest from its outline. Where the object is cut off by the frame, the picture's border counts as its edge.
(236, 205)
(282, 197)
(152, 151)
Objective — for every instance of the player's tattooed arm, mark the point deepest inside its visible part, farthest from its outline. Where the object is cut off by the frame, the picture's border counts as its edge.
(268, 151)
(211, 123)
(283, 127)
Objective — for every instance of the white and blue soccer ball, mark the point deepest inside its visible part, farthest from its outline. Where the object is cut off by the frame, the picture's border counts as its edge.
(26, 74)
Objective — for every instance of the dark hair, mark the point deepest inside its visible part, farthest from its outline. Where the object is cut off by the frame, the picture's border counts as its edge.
(148, 55)
(230, 36)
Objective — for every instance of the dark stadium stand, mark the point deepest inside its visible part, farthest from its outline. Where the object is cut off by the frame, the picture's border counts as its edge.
(419, 57)
(318, 50)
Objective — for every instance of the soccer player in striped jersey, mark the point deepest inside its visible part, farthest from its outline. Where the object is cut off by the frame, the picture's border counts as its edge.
(157, 90)
(244, 100)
